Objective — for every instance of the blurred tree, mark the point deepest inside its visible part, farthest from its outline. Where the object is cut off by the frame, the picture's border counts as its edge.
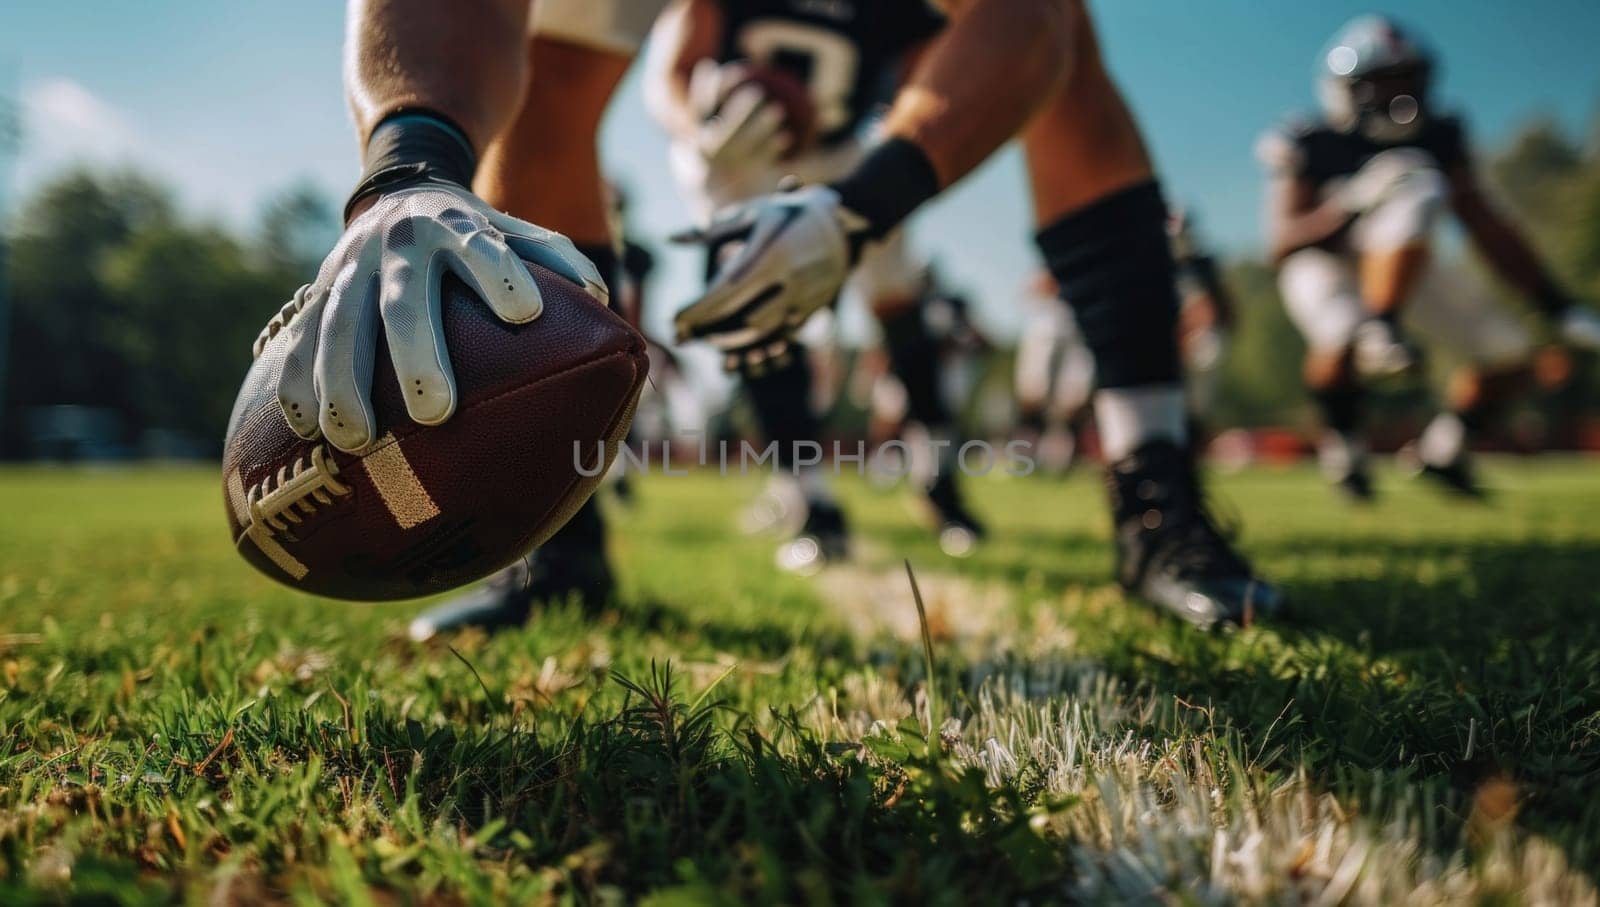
(187, 308)
(61, 351)
(1261, 377)
(121, 304)
(297, 229)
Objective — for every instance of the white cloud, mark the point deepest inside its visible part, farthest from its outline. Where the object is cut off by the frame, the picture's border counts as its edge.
(64, 123)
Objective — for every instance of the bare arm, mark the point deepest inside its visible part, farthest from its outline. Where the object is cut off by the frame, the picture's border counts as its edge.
(1295, 219)
(959, 107)
(463, 59)
(686, 32)
(1494, 235)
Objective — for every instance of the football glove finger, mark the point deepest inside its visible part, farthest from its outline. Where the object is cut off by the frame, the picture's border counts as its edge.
(747, 131)
(347, 342)
(297, 391)
(388, 270)
(709, 82)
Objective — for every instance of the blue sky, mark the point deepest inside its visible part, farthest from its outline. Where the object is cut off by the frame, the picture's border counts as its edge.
(232, 101)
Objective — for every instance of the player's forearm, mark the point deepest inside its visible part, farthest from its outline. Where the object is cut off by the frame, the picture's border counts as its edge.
(686, 32)
(1298, 221)
(666, 97)
(462, 59)
(1295, 232)
(959, 107)
(1508, 251)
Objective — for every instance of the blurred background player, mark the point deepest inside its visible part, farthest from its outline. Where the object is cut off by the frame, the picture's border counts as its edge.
(1355, 197)
(731, 140)
(1054, 376)
(1003, 68)
(955, 344)
(1055, 369)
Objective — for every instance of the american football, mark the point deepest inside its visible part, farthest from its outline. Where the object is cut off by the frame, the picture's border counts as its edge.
(424, 509)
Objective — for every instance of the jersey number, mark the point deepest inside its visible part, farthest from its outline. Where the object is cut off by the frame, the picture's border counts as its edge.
(827, 59)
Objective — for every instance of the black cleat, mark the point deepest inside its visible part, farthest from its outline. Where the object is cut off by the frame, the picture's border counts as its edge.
(959, 531)
(822, 540)
(1355, 486)
(571, 564)
(624, 491)
(508, 597)
(1458, 477)
(1169, 551)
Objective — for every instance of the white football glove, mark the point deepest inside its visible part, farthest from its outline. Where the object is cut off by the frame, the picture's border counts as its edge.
(1384, 175)
(740, 127)
(386, 274)
(794, 251)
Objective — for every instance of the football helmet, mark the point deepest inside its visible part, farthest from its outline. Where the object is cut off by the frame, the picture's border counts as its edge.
(1373, 78)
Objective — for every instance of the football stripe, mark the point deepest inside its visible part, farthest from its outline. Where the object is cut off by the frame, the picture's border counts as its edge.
(262, 538)
(237, 499)
(402, 492)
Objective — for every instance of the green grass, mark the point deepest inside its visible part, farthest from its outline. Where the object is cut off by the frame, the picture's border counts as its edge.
(1425, 727)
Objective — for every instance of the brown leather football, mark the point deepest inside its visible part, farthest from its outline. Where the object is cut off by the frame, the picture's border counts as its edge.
(427, 508)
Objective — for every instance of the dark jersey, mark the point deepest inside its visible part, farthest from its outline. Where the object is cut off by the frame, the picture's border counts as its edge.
(1316, 152)
(845, 51)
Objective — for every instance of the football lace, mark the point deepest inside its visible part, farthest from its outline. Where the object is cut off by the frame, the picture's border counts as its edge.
(296, 491)
(279, 321)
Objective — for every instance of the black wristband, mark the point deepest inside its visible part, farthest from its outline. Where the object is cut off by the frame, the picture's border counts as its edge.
(891, 182)
(412, 147)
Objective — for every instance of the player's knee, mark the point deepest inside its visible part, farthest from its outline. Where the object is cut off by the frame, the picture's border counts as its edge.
(1114, 265)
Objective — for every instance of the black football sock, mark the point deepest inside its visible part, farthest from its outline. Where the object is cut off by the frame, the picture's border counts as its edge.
(1113, 262)
(1341, 407)
(1032, 420)
(1342, 452)
(914, 359)
(781, 398)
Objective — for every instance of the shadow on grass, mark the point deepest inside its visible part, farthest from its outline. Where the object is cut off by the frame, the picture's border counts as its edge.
(659, 793)
(765, 638)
